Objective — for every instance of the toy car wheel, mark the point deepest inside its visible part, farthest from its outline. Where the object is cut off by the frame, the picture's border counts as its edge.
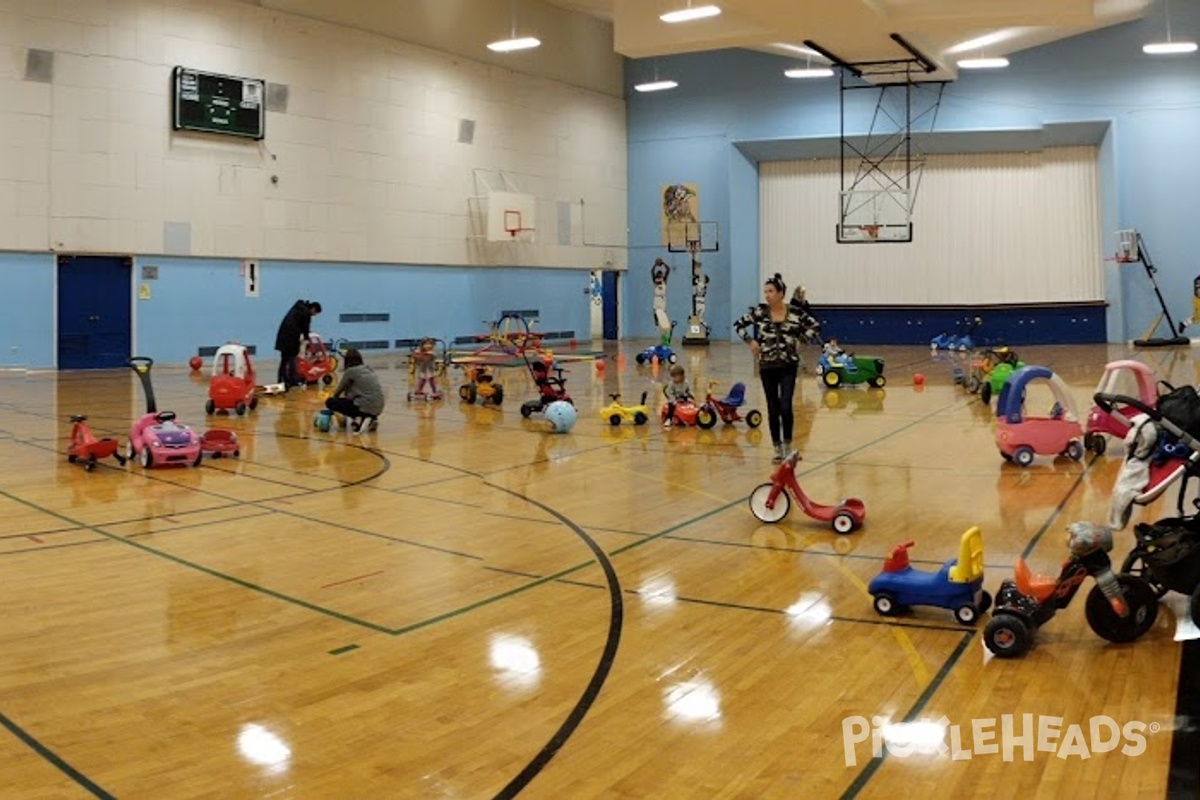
(72, 459)
(253, 403)
(120, 459)
(237, 453)
(1007, 636)
(1136, 566)
(129, 454)
(327, 379)
(468, 393)
(498, 396)
(614, 420)
(831, 378)
(527, 410)
(972, 384)
(758, 504)
(1075, 450)
(886, 605)
(985, 602)
(843, 522)
(640, 359)
(90, 464)
(985, 392)
(1142, 611)
(210, 407)
(966, 614)
(671, 359)
(754, 418)
(878, 381)
(640, 419)
(240, 408)
(147, 458)
(706, 418)
(1023, 456)
(199, 459)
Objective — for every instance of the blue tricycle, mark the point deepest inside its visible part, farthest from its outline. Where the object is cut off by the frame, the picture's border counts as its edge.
(958, 585)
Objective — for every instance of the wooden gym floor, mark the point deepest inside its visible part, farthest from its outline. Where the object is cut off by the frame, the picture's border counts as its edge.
(463, 605)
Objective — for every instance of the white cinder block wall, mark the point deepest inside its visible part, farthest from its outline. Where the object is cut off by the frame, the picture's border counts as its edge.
(368, 163)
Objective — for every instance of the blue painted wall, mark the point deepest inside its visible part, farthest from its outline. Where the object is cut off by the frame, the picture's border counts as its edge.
(202, 302)
(27, 322)
(1150, 172)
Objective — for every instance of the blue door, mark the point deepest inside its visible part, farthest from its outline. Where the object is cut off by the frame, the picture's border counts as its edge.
(94, 313)
(609, 280)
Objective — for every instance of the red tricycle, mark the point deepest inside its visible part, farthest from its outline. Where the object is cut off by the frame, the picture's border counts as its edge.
(87, 448)
(726, 408)
(232, 383)
(771, 502)
(317, 362)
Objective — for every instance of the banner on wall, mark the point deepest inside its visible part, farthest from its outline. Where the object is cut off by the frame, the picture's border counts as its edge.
(680, 205)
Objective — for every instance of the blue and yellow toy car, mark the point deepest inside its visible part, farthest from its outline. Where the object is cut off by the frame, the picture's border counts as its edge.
(958, 585)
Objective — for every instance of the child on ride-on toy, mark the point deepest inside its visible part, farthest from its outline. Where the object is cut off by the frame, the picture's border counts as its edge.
(425, 371)
(677, 391)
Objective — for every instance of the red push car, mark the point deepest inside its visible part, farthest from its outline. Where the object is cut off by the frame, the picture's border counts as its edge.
(231, 386)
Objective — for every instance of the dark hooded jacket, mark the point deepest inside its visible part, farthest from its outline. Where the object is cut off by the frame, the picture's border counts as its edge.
(294, 326)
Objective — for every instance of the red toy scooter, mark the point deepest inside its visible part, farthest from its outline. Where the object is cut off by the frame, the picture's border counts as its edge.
(771, 503)
(87, 448)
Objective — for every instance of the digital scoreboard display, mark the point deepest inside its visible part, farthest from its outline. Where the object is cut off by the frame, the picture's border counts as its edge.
(212, 103)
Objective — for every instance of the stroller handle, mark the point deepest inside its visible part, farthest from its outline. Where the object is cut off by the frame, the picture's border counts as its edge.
(1106, 402)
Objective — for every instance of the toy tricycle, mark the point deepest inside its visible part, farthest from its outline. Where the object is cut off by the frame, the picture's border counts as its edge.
(1020, 436)
(87, 448)
(156, 439)
(232, 383)
(615, 413)
(1115, 422)
(771, 502)
(958, 585)
(1119, 608)
(480, 384)
(726, 408)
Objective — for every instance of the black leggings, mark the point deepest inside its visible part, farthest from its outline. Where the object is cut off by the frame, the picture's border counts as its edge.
(778, 384)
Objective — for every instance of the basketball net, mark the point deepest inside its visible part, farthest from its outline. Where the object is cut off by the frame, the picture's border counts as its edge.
(872, 231)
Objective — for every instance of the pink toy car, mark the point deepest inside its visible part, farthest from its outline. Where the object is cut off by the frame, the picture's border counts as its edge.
(156, 439)
(1020, 437)
(1116, 422)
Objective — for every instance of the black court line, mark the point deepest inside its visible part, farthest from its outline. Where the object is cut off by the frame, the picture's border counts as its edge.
(1183, 779)
(48, 754)
(1057, 509)
(877, 761)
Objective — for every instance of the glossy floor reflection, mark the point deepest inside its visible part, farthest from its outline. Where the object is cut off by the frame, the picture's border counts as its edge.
(461, 604)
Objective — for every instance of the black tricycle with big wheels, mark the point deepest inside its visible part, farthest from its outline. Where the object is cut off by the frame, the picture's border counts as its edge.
(1119, 608)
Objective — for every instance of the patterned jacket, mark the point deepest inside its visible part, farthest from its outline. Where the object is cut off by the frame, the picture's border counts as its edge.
(779, 341)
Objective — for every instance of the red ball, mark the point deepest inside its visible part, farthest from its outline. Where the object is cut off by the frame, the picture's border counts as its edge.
(919, 379)
(195, 362)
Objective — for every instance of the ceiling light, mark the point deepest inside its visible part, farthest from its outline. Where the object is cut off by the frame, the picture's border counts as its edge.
(655, 86)
(809, 72)
(983, 63)
(519, 43)
(980, 41)
(1168, 48)
(514, 42)
(689, 14)
(795, 48)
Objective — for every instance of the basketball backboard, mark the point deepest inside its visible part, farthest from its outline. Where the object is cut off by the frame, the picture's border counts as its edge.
(873, 216)
(688, 237)
(511, 216)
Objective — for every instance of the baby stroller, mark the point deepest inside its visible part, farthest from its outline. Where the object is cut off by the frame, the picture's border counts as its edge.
(550, 387)
(1161, 451)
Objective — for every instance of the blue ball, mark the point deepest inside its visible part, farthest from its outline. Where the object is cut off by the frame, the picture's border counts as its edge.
(561, 416)
(322, 419)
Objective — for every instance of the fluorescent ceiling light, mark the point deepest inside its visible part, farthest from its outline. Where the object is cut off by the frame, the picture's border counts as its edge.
(508, 45)
(1168, 48)
(983, 63)
(978, 42)
(809, 72)
(688, 14)
(795, 48)
(655, 86)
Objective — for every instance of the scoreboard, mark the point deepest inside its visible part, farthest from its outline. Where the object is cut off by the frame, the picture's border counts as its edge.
(212, 103)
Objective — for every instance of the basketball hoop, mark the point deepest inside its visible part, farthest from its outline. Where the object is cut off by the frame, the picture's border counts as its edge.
(693, 247)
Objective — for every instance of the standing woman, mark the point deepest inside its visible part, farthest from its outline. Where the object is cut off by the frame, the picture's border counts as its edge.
(779, 328)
